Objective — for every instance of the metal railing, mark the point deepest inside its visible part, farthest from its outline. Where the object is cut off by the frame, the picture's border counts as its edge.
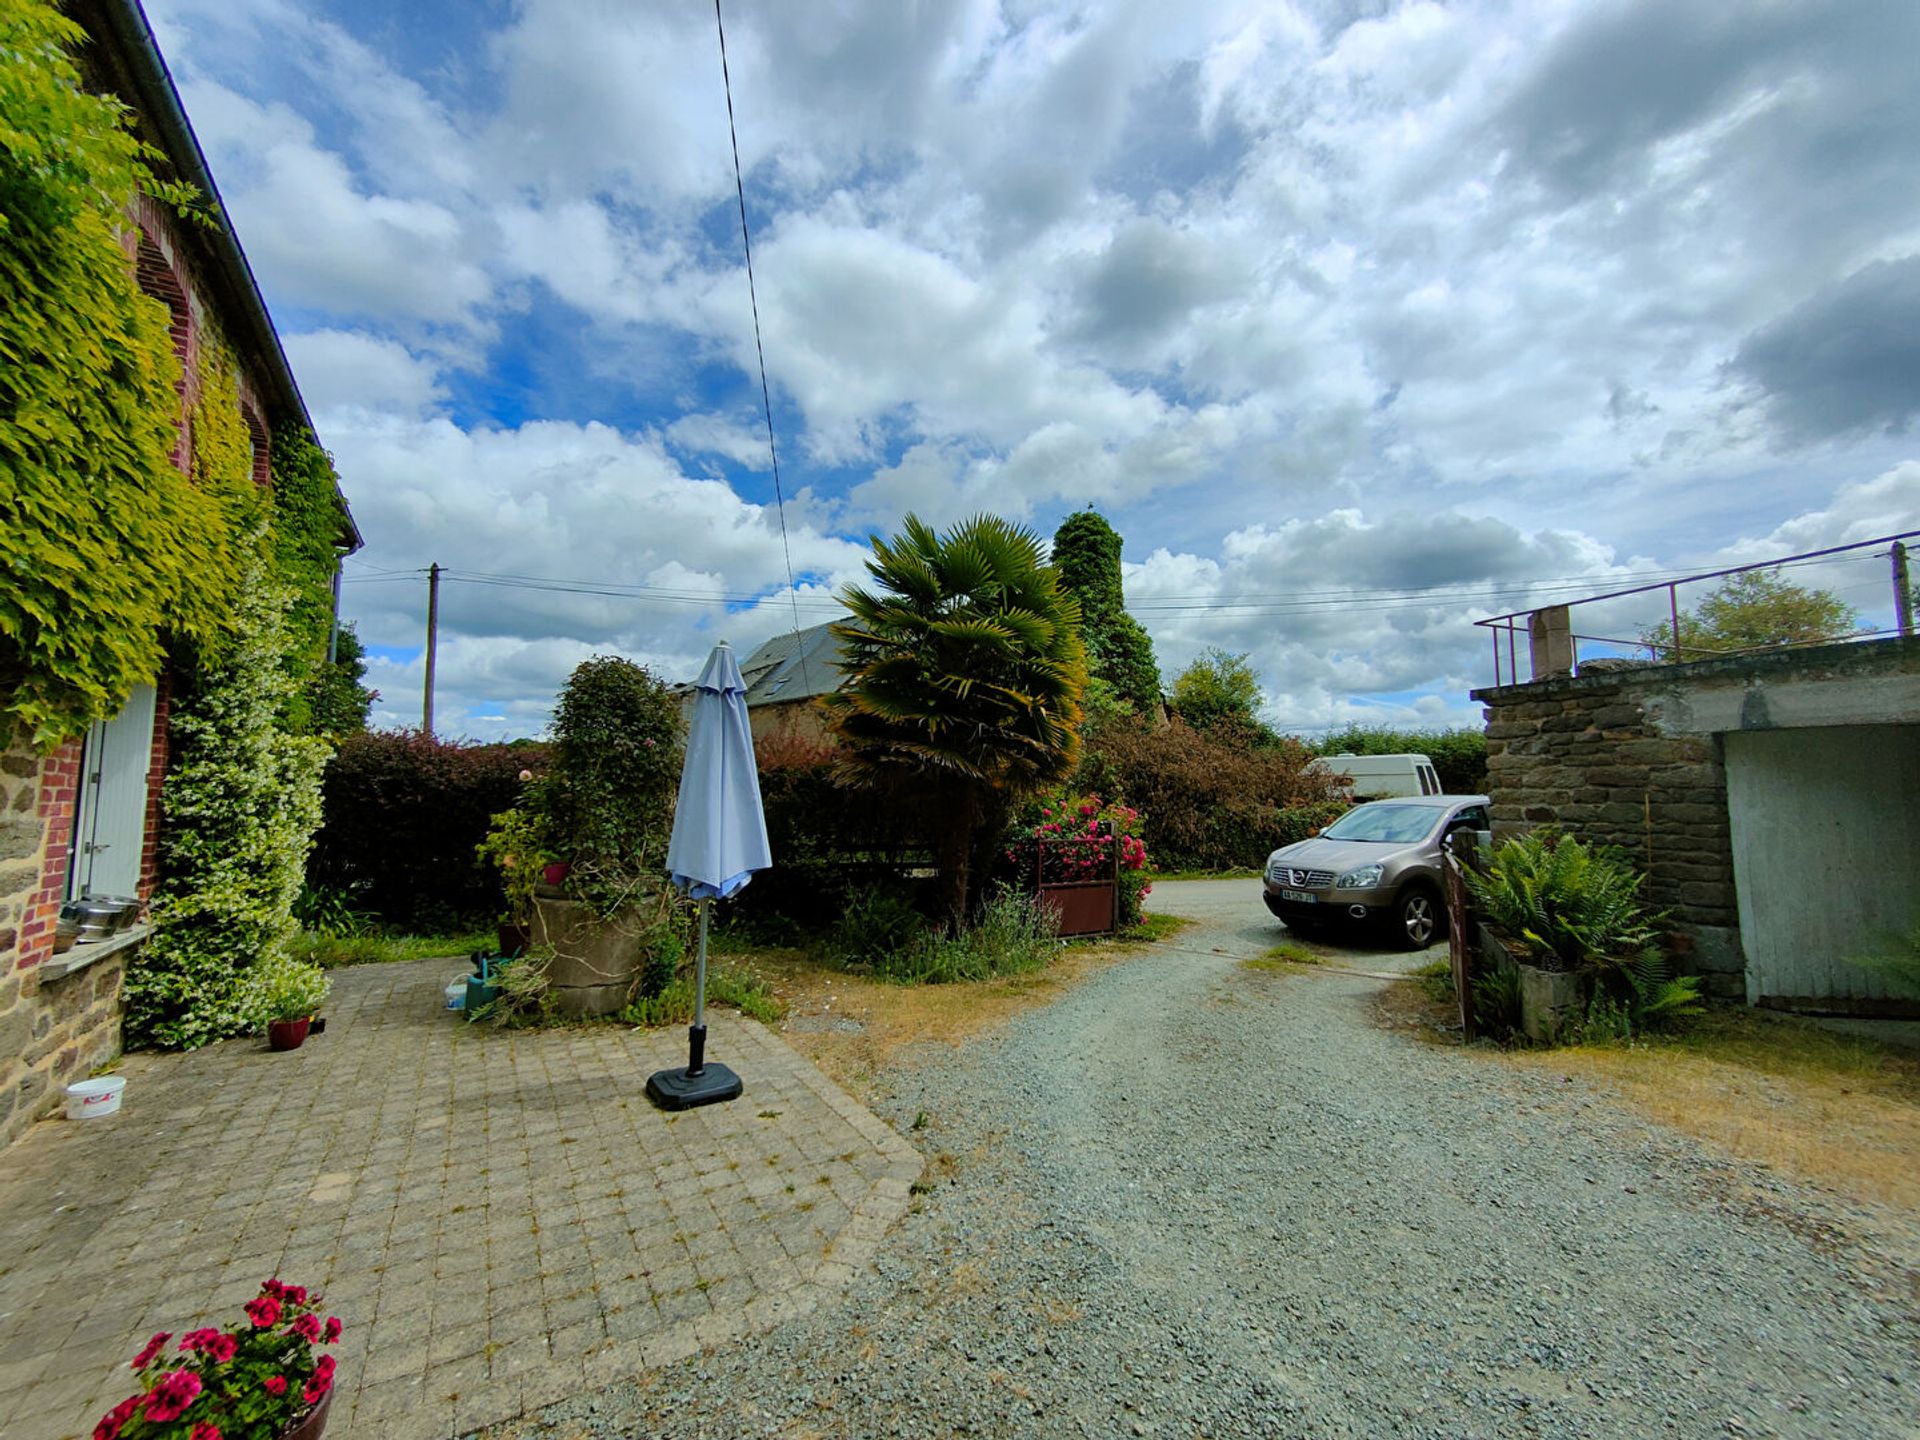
(1517, 623)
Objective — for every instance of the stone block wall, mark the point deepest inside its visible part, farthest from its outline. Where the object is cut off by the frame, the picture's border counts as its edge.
(1634, 757)
(51, 1031)
(1585, 756)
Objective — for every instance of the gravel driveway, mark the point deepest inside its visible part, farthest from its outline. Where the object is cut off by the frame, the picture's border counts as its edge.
(1192, 1199)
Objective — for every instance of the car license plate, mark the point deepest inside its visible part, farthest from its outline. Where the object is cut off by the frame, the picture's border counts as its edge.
(1301, 896)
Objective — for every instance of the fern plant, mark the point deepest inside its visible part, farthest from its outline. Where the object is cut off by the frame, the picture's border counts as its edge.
(1571, 904)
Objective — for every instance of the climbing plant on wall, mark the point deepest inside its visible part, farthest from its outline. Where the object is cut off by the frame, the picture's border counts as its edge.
(1086, 552)
(243, 801)
(307, 528)
(102, 540)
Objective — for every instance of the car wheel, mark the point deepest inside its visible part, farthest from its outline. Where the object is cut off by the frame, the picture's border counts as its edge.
(1418, 918)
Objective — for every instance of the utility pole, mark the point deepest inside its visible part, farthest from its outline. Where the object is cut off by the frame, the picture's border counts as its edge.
(1902, 589)
(433, 641)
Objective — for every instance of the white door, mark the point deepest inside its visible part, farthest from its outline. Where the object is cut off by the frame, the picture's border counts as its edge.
(111, 827)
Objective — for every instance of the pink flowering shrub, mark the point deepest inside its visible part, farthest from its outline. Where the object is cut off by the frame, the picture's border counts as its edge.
(1066, 837)
(251, 1381)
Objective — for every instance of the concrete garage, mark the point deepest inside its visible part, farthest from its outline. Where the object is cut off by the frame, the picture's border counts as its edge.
(1825, 823)
(1773, 800)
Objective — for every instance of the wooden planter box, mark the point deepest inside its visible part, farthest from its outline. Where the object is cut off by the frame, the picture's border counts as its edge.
(1083, 907)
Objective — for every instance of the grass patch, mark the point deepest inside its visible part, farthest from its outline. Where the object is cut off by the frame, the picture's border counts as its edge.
(1284, 954)
(1435, 979)
(1816, 1103)
(745, 990)
(1155, 925)
(330, 952)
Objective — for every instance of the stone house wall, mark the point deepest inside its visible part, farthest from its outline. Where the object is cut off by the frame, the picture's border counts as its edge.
(1635, 758)
(55, 1031)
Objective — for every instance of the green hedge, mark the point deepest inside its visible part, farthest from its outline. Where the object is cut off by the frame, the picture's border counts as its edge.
(403, 812)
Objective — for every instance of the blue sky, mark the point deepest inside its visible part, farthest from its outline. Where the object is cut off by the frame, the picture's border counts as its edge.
(1322, 304)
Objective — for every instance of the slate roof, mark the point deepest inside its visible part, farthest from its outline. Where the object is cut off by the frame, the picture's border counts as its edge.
(793, 666)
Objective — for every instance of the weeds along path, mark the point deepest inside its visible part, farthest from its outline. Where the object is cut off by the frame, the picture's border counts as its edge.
(1189, 1198)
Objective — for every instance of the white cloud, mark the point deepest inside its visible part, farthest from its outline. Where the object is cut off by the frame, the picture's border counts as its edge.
(352, 370)
(1305, 301)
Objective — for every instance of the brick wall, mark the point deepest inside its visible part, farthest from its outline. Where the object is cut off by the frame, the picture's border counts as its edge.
(156, 778)
(56, 1031)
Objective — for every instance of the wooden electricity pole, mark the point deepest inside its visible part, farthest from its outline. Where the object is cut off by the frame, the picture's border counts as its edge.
(433, 642)
(1902, 590)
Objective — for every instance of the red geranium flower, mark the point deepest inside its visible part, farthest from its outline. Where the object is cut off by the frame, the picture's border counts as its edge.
(152, 1348)
(222, 1346)
(110, 1423)
(205, 1430)
(264, 1312)
(170, 1398)
(274, 1384)
(307, 1327)
(333, 1329)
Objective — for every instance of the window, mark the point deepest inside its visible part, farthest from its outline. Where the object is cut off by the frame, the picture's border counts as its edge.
(110, 822)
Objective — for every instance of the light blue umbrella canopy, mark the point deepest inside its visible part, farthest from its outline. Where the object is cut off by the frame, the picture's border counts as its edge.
(719, 831)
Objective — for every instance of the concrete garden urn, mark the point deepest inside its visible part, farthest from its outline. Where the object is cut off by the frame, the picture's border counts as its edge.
(595, 960)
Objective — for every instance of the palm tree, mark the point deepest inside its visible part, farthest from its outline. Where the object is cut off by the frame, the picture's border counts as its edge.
(964, 674)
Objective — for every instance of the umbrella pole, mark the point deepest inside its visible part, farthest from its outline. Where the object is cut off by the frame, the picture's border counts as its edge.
(697, 1035)
(700, 1083)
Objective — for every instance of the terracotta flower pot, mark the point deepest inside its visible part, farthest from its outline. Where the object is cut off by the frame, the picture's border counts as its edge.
(288, 1035)
(309, 1426)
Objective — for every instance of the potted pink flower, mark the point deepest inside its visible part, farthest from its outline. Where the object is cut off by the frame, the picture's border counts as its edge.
(267, 1378)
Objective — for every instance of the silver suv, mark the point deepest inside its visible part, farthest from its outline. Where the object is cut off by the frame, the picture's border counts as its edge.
(1379, 862)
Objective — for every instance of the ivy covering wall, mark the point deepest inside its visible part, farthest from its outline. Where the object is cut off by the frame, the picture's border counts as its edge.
(102, 540)
(119, 566)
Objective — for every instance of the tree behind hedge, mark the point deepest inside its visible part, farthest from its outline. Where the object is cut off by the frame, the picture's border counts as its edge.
(1086, 552)
(403, 813)
(1212, 799)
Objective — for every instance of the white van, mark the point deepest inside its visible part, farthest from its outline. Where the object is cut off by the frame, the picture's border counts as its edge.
(1376, 777)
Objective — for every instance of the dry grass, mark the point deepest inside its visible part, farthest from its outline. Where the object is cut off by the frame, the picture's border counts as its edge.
(1810, 1102)
(897, 1020)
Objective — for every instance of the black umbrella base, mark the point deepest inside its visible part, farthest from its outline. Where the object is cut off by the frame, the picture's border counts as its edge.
(682, 1089)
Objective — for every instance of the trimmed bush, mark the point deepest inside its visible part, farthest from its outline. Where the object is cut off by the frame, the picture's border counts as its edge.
(404, 813)
(830, 841)
(1209, 799)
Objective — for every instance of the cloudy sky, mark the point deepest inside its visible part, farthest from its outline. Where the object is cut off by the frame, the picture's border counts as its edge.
(1359, 321)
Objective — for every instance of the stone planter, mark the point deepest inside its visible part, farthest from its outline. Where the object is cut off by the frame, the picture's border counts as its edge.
(1550, 1000)
(595, 961)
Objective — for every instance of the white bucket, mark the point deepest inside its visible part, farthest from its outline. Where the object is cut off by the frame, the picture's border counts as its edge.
(90, 1099)
(457, 993)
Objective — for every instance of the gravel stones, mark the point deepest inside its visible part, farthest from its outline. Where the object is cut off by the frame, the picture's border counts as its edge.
(1189, 1199)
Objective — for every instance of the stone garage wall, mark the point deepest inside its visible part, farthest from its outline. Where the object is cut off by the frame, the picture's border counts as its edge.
(1632, 757)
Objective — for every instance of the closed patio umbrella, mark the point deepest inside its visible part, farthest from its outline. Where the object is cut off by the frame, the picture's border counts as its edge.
(719, 841)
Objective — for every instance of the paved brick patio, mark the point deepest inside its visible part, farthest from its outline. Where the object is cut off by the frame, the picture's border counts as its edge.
(501, 1219)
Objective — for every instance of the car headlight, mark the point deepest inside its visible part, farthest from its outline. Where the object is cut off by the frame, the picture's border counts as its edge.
(1365, 878)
